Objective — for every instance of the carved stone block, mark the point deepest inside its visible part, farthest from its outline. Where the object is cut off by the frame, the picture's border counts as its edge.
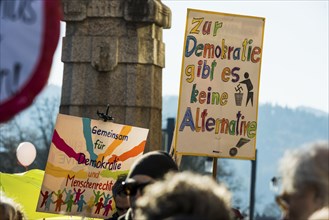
(74, 10)
(113, 54)
(152, 11)
(76, 49)
(108, 8)
(104, 53)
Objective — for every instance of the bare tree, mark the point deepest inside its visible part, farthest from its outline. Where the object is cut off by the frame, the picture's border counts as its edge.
(46, 111)
(225, 173)
(11, 135)
(34, 125)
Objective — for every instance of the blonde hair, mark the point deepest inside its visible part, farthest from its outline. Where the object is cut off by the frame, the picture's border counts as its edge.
(321, 214)
(9, 209)
(185, 195)
(307, 167)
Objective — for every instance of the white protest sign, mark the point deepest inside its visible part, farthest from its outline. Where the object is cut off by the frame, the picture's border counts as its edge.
(29, 34)
(218, 101)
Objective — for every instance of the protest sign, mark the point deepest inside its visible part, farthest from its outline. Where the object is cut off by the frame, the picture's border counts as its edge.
(85, 158)
(218, 100)
(29, 34)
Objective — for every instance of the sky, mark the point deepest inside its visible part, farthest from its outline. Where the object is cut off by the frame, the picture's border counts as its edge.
(294, 68)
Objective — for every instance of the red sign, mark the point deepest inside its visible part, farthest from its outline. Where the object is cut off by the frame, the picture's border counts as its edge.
(29, 34)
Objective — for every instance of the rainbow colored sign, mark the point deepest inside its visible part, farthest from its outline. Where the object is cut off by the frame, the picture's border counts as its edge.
(85, 158)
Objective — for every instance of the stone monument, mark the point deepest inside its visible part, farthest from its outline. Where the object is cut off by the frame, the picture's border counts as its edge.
(113, 54)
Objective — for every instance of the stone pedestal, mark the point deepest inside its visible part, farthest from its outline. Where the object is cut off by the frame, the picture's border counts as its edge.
(113, 54)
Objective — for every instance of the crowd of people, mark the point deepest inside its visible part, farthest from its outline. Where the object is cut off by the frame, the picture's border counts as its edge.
(155, 189)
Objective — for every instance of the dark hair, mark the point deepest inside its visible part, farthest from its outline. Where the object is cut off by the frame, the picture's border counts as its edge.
(117, 188)
(154, 164)
(9, 209)
(182, 196)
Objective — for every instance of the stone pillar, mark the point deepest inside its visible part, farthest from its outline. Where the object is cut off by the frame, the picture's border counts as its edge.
(113, 54)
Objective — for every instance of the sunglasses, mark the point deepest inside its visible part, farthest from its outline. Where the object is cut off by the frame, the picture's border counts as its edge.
(130, 189)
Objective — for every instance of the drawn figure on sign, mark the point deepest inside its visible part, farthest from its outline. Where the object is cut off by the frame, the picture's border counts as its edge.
(69, 204)
(80, 203)
(59, 202)
(99, 205)
(97, 196)
(107, 208)
(45, 197)
(68, 194)
(107, 198)
(59, 194)
(250, 87)
(48, 202)
(78, 194)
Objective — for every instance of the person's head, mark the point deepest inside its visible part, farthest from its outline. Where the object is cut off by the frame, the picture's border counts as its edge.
(147, 169)
(322, 214)
(305, 180)
(9, 209)
(119, 196)
(184, 196)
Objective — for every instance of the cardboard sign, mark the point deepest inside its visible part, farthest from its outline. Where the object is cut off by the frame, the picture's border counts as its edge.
(218, 101)
(85, 158)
